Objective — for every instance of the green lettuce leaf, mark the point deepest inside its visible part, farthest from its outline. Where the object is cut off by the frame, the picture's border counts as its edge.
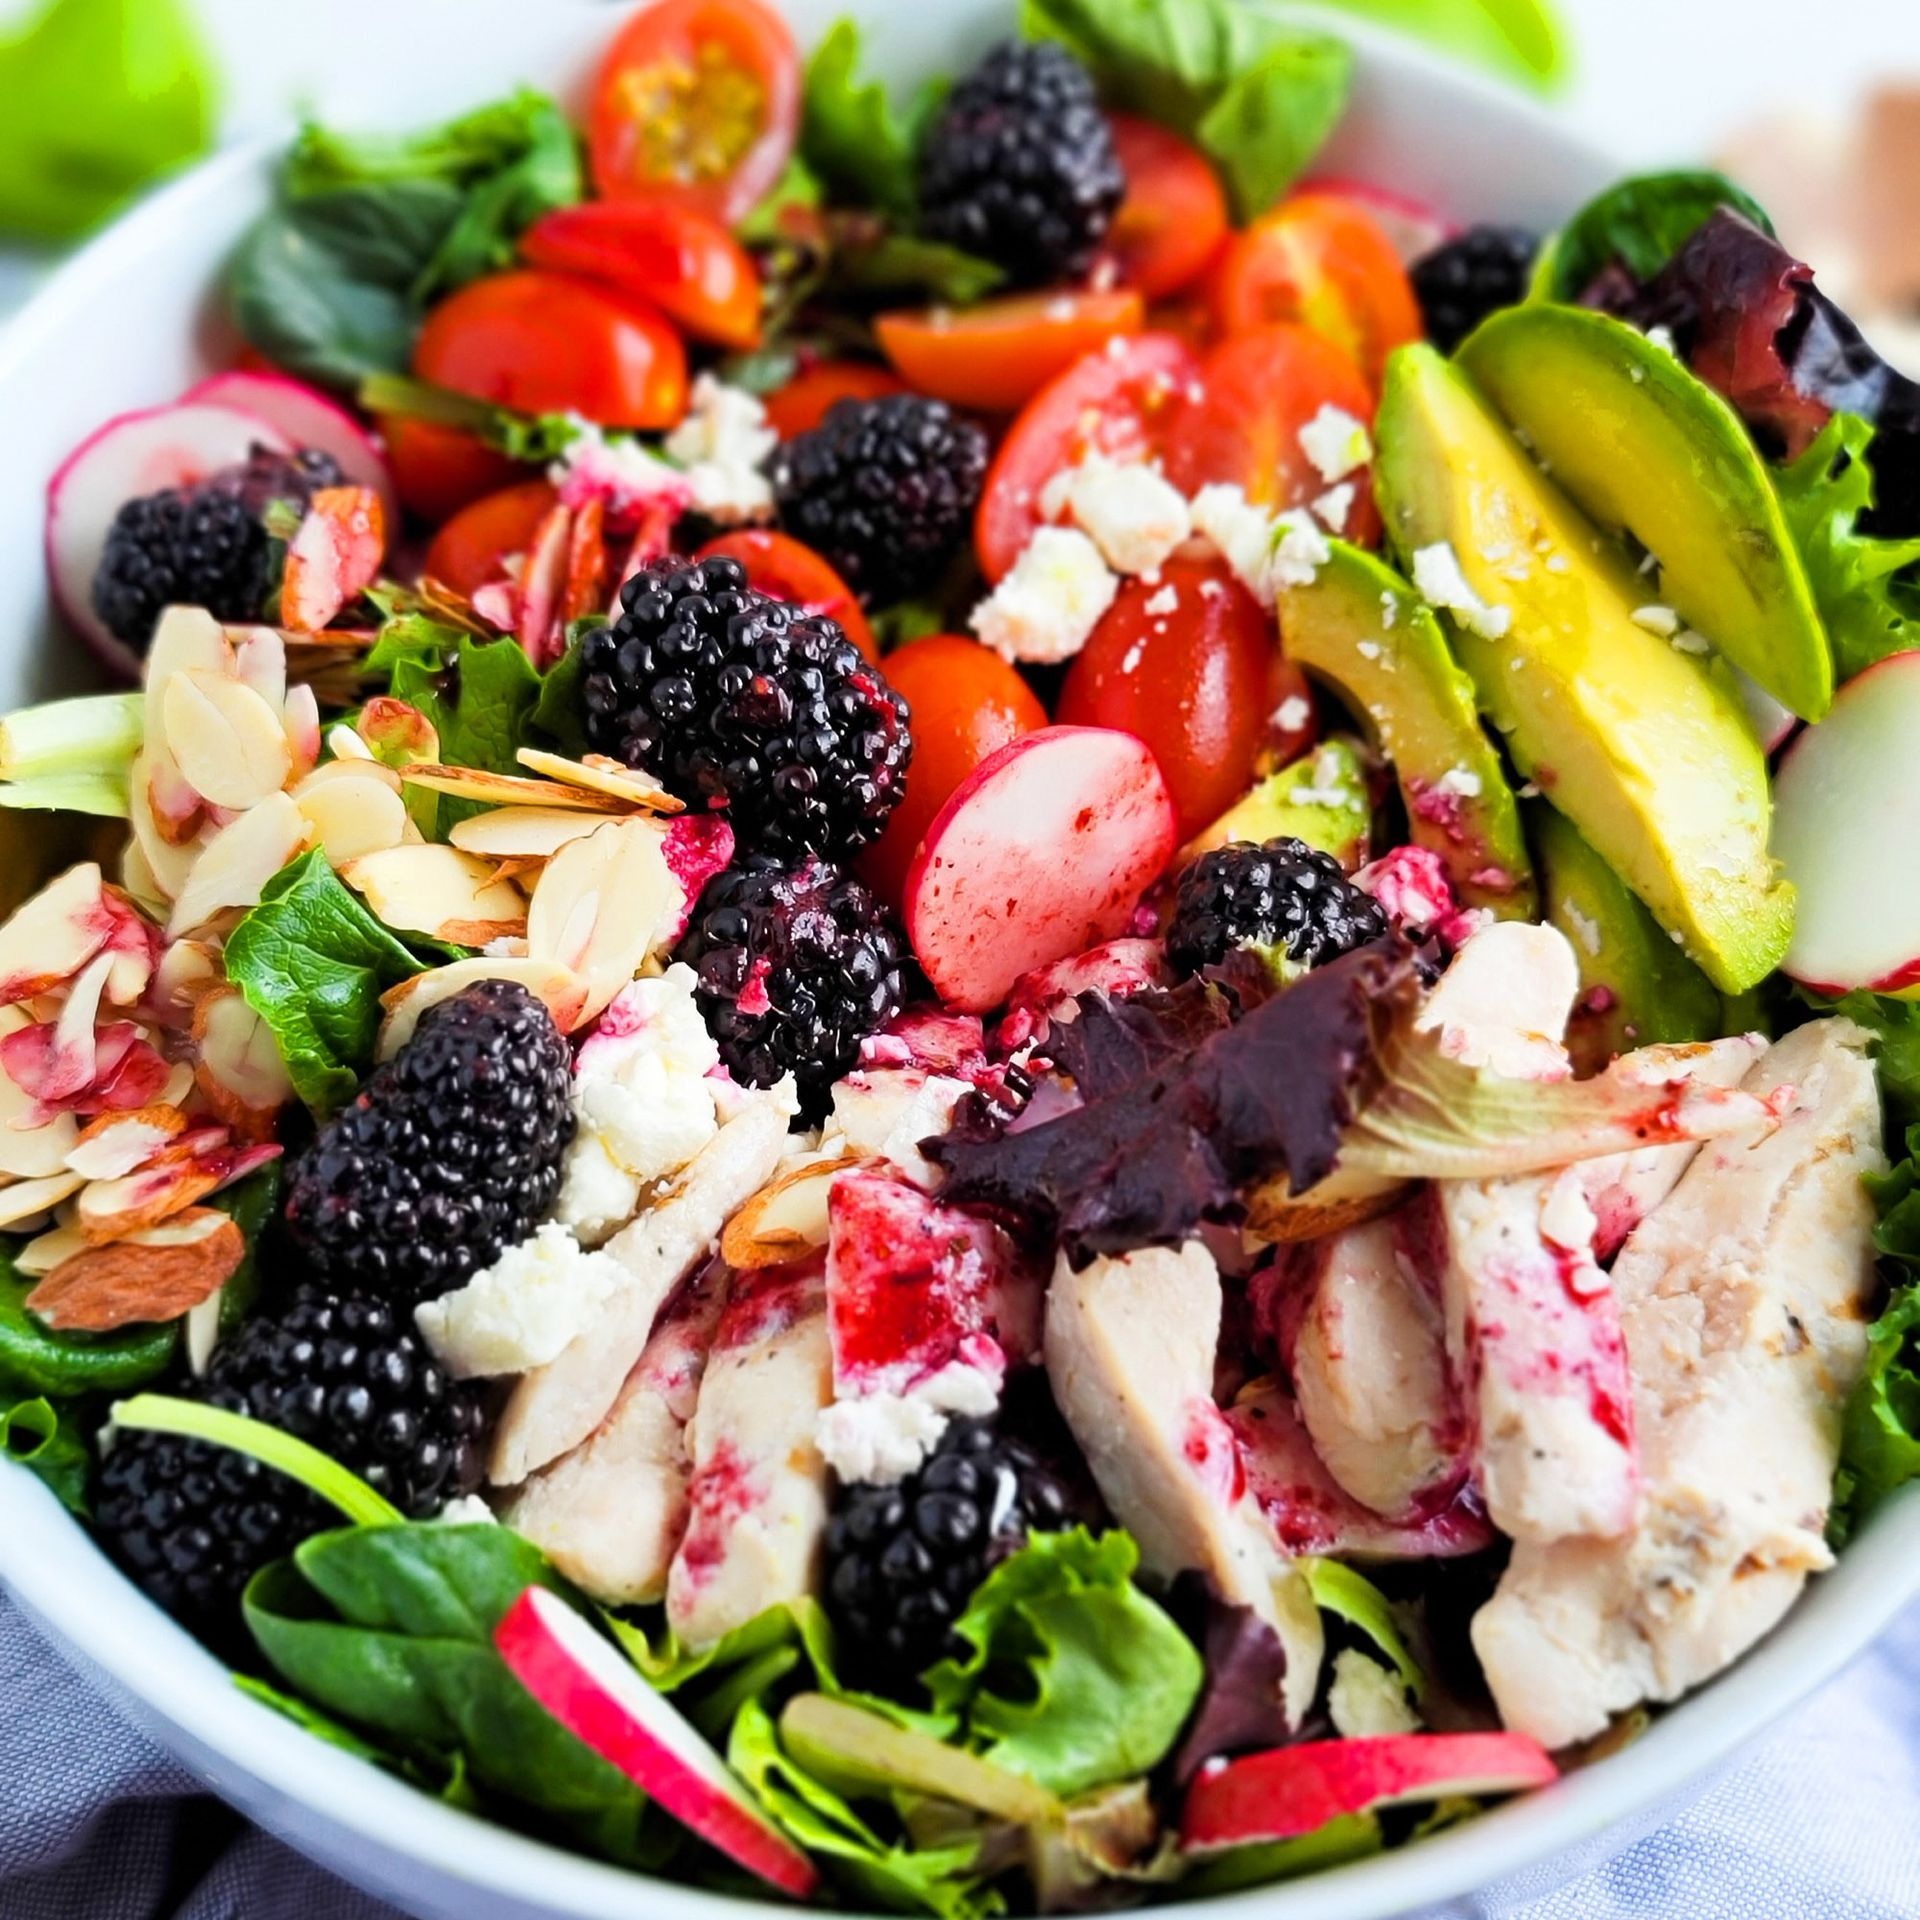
(1073, 1676)
(1352, 1597)
(1865, 588)
(1259, 97)
(1521, 40)
(1639, 223)
(46, 1438)
(1895, 1026)
(851, 140)
(313, 963)
(38, 1362)
(1880, 1441)
(102, 98)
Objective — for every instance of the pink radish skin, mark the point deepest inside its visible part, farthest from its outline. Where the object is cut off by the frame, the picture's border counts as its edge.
(308, 419)
(1414, 227)
(132, 455)
(1294, 1790)
(1043, 851)
(585, 1684)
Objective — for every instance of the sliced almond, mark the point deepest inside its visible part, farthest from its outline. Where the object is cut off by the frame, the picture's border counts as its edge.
(510, 789)
(240, 1073)
(344, 744)
(185, 639)
(543, 585)
(787, 1218)
(563, 993)
(601, 906)
(45, 1251)
(177, 1085)
(167, 861)
(260, 661)
(178, 809)
(398, 734)
(522, 833)
(300, 717)
(27, 1199)
(438, 891)
(186, 970)
(29, 1151)
(138, 878)
(117, 1143)
(113, 1209)
(517, 869)
(597, 774)
(146, 1279)
(238, 861)
(53, 935)
(357, 812)
(135, 945)
(203, 1332)
(227, 741)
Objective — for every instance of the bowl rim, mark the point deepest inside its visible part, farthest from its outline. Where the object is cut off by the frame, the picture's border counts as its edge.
(333, 1806)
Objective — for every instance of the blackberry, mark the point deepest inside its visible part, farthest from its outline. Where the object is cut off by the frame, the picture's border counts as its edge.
(797, 966)
(733, 699)
(1460, 283)
(193, 1522)
(1020, 166)
(204, 546)
(450, 1154)
(1284, 894)
(903, 1560)
(885, 489)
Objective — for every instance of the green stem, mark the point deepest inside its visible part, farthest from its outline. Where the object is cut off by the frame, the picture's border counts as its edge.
(96, 793)
(99, 733)
(161, 1413)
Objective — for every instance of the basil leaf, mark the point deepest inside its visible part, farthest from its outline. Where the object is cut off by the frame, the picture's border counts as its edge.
(1639, 224)
(35, 1360)
(46, 1440)
(313, 963)
(851, 141)
(1268, 124)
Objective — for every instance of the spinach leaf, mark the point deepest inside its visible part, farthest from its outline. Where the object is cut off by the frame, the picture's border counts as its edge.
(102, 97)
(46, 1439)
(1639, 224)
(389, 1629)
(313, 963)
(1072, 1675)
(252, 1206)
(557, 712)
(1259, 97)
(1866, 589)
(35, 1360)
(479, 694)
(851, 140)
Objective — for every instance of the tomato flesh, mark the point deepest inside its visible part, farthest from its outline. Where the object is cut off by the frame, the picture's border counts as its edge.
(965, 703)
(698, 98)
(1174, 217)
(813, 393)
(657, 249)
(472, 549)
(786, 568)
(1257, 392)
(1194, 682)
(999, 354)
(438, 470)
(1118, 401)
(1323, 261)
(547, 343)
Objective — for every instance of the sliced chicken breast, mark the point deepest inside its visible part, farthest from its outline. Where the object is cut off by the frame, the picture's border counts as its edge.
(610, 1514)
(1744, 1301)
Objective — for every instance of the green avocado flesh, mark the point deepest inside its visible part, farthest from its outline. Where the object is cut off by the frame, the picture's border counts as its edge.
(1630, 738)
(1643, 447)
(1321, 799)
(1368, 635)
(1637, 989)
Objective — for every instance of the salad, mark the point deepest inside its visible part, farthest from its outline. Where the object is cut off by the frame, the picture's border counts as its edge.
(964, 1006)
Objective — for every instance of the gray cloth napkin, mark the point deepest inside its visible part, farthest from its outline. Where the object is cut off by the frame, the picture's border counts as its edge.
(1820, 1822)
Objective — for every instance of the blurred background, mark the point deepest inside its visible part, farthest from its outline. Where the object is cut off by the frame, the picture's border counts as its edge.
(1815, 108)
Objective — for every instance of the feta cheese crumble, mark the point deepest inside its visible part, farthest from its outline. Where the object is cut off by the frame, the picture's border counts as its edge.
(1661, 620)
(1442, 584)
(722, 445)
(1566, 1219)
(523, 1310)
(1265, 553)
(879, 1438)
(1366, 1700)
(1459, 781)
(1336, 443)
(1132, 514)
(1292, 713)
(624, 476)
(1333, 507)
(1051, 601)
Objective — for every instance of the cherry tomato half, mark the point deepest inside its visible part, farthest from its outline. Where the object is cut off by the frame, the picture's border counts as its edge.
(658, 249)
(1194, 681)
(789, 570)
(1258, 391)
(966, 702)
(1117, 401)
(699, 97)
(1174, 217)
(439, 470)
(1323, 261)
(472, 549)
(810, 396)
(1002, 352)
(548, 343)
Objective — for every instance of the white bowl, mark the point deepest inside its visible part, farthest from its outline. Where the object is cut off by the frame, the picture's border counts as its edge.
(133, 321)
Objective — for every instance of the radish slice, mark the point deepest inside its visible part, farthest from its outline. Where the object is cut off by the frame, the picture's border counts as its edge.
(1846, 829)
(583, 1682)
(1414, 227)
(1043, 851)
(308, 419)
(132, 455)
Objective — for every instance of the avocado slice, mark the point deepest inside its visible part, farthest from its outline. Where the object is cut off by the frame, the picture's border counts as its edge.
(1321, 798)
(1634, 741)
(1643, 447)
(1637, 989)
(1364, 631)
